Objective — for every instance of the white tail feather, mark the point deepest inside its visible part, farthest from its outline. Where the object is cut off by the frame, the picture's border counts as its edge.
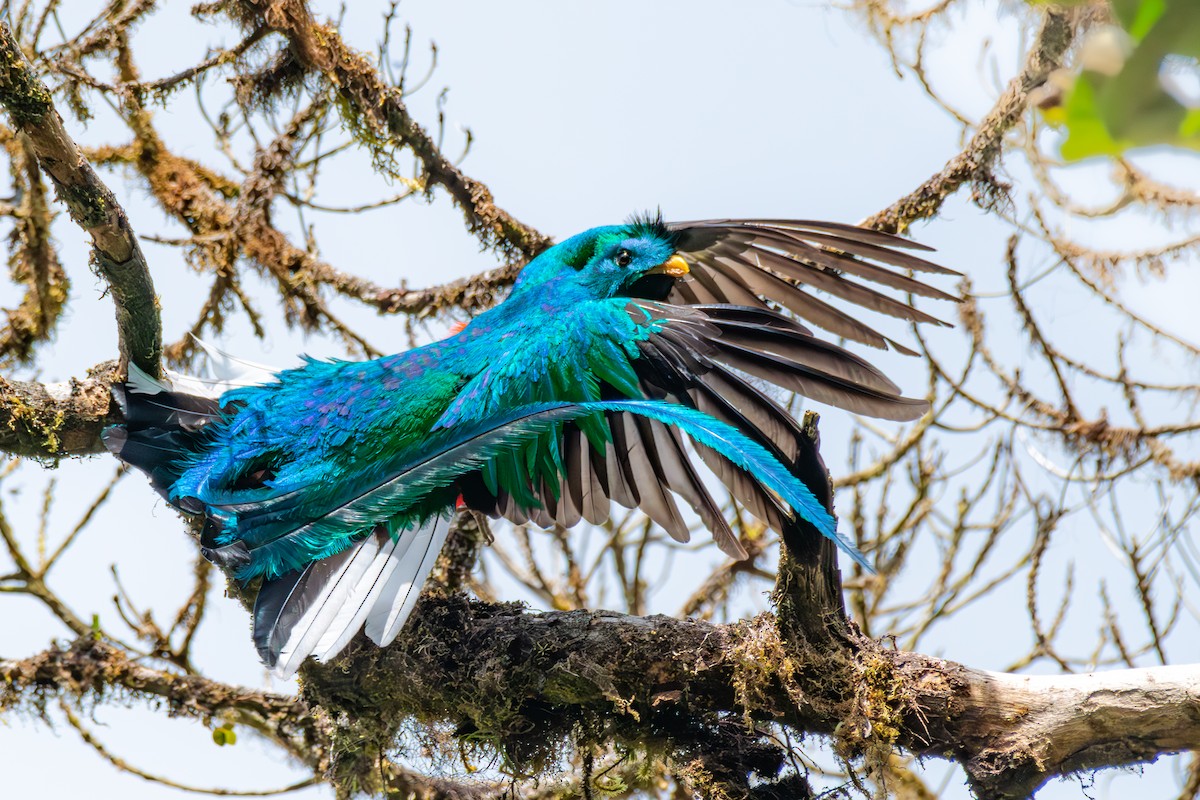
(141, 383)
(399, 596)
(231, 371)
(370, 586)
(332, 595)
(227, 373)
(377, 582)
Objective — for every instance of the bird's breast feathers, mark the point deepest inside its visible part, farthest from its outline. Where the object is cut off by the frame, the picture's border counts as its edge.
(553, 357)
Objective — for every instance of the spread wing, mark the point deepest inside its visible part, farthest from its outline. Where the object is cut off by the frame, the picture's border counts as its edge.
(708, 341)
(756, 262)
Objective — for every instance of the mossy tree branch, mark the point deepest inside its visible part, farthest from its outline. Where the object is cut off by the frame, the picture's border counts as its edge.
(116, 253)
(93, 666)
(528, 681)
(374, 106)
(93, 669)
(33, 259)
(50, 421)
(975, 164)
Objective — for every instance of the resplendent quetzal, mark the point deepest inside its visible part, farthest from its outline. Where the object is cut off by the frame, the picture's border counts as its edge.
(335, 482)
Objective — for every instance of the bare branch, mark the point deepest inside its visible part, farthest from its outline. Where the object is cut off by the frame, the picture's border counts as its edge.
(91, 666)
(974, 164)
(1037, 726)
(55, 420)
(102, 750)
(372, 103)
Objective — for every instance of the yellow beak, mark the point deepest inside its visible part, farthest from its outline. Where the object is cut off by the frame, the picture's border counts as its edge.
(674, 266)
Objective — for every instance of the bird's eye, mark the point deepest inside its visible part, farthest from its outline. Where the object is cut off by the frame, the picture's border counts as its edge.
(624, 258)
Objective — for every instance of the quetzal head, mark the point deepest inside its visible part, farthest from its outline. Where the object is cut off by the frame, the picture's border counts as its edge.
(609, 261)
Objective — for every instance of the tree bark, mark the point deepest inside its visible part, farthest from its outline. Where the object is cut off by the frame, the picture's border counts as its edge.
(53, 420)
(1021, 729)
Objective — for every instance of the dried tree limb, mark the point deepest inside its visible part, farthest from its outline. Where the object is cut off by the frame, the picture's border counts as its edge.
(187, 192)
(90, 739)
(186, 76)
(33, 259)
(91, 666)
(1025, 728)
(264, 244)
(105, 29)
(974, 164)
(476, 292)
(94, 668)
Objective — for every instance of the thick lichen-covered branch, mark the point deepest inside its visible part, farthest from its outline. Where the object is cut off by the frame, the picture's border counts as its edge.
(116, 253)
(528, 683)
(50, 421)
(525, 682)
(91, 670)
(93, 667)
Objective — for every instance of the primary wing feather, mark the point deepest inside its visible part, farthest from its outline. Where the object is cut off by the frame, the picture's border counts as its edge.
(760, 253)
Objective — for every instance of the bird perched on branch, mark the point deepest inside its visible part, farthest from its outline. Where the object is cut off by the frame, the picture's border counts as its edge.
(619, 354)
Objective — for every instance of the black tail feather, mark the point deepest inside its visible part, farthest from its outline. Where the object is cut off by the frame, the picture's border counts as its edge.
(160, 428)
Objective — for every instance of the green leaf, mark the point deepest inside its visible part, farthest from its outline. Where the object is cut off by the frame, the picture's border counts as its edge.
(1087, 135)
(1127, 106)
(224, 735)
(1138, 16)
(1189, 129)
